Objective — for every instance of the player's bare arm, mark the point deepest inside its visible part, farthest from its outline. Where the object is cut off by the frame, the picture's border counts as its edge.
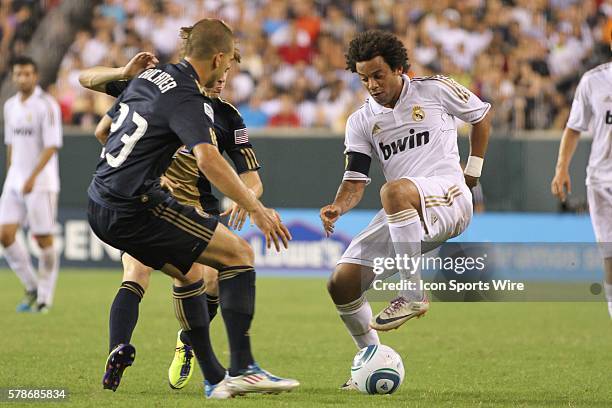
(222, 175)
(8, 157)
(44, 158)
(103, 129)
(96, 78)
(348, 196)
(237, 214)
(479, 140)
(561, 184)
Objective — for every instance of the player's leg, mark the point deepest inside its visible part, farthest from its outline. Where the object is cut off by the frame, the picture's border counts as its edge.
(233, 257)
(600, 210)
(401, 202)
(41, 212)
(125, 307)
(347, 286)
(12, 213)
(123, 318)
(191, 310)
(608, 279)
(181, 367)
(211, 278)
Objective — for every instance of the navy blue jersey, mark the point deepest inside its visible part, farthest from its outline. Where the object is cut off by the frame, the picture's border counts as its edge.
(159, 111)
(231, 138)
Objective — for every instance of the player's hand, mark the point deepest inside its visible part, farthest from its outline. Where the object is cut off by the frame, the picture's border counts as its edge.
(269, 222)
(329, 215)
(238, 216)
(561, 184)
(471, 181)
(140, 62)
(28, 186)
(167, 184)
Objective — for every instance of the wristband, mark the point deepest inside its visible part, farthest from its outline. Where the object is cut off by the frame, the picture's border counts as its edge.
(474, 166)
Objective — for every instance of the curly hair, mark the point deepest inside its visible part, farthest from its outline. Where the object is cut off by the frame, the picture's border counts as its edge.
(375, 43)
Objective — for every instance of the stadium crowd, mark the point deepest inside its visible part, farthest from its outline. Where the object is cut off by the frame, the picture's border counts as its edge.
(523, 56)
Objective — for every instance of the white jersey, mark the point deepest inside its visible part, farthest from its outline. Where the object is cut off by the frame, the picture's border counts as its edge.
(418, 137)
(29, 127)
(592, 110)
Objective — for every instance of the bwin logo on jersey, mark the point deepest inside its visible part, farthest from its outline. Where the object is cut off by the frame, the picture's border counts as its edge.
(410, 142)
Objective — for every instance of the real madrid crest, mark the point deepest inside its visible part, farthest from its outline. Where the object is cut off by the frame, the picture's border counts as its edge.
(418, 114)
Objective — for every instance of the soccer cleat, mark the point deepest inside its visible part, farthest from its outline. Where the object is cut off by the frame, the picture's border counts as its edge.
(181, 368)
(398, 312)
(118, 360)
(257, 380)
(42, 309)
(219, 390)
(29, 299)
(349, 385)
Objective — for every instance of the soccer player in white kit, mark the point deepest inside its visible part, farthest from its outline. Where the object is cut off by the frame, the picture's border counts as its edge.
(592, 109)
(33, 134)
(409, 126)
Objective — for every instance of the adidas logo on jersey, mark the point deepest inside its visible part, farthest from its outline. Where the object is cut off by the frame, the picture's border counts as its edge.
(408, 142)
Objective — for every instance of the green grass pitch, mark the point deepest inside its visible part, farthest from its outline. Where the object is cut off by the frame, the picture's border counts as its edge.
(459, 355)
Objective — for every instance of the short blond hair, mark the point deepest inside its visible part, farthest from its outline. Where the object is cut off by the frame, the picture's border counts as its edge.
(206, 38)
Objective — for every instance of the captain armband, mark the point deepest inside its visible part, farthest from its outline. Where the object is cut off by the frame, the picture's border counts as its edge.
(357, 167)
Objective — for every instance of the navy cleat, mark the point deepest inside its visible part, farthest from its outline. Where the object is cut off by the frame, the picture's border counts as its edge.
(118, 360)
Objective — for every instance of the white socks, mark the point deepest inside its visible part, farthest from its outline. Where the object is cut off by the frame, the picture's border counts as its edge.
(356, 316)
(18, 259)
(48, 267)
(608, 290)
(407, 233)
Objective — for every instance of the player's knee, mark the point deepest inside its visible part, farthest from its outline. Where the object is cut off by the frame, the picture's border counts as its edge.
(140, 275)
(399, 193)
(44, 241)
(336, 283)
(6, 238)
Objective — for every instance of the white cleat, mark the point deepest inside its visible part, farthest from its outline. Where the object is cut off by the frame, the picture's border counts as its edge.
(349, 385)
(398, 312)
(219, 390)
(257, 380)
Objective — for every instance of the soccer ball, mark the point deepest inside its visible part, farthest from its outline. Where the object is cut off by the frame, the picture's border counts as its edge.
(377, 369)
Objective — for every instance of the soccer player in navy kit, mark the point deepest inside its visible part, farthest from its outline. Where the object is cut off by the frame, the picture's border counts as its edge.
(189, 187)
(161, 110)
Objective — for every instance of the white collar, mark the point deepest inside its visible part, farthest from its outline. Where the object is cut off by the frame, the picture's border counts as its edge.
(378, 108)
(37, 92)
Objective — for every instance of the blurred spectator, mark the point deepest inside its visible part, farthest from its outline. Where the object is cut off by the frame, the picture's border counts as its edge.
(523, 56)
(287, 115)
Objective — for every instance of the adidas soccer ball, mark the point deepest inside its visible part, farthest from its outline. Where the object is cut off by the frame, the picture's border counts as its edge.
(377, 370)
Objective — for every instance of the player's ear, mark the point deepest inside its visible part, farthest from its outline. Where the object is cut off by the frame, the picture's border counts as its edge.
(217, 60)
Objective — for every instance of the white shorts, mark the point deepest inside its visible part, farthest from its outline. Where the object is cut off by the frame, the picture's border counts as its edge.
(600, 209)
(444, 219)
(37, 210)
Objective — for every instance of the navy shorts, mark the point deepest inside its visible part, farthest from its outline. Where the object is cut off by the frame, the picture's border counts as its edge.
(168, 233)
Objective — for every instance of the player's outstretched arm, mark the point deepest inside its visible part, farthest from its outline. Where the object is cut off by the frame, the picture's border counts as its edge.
(96, 78)
(237, 214)
(348, 196)
(222, 175)
(479, 141)
(561, 184)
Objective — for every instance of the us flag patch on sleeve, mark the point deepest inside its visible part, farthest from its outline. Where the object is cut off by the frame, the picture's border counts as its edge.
(241, 136)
